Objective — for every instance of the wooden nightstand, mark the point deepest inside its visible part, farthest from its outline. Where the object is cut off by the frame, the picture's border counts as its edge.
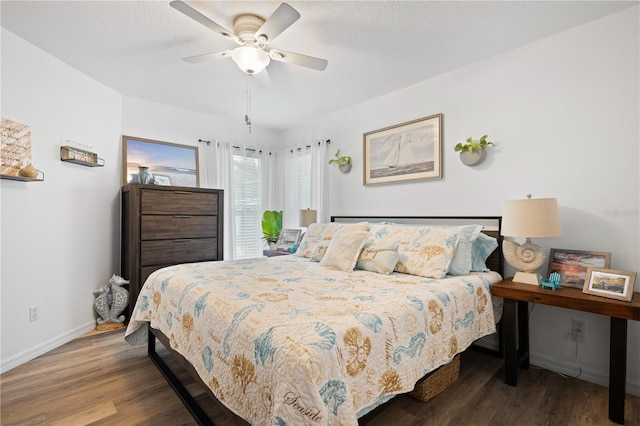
(515, 328)
(272, 253)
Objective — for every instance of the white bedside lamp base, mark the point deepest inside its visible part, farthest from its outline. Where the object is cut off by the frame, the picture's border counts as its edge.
(526, 278)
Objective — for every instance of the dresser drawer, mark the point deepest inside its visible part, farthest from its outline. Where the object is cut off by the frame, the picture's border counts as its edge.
(178, 202)
(157, 227)
(167, 252)
(148, 270)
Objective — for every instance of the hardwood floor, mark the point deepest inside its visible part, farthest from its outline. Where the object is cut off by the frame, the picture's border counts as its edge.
(101, 380)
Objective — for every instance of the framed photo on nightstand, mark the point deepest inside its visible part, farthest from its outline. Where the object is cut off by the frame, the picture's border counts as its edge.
(288, 238)
(572, 265)
(610, 283)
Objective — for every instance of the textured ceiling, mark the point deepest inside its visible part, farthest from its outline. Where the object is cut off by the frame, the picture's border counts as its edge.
(373, 48)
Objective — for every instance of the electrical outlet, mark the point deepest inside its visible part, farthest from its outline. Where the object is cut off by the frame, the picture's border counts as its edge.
(34, 313)
(579, 328)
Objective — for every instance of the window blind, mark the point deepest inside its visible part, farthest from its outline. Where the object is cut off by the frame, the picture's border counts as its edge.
(248, 214)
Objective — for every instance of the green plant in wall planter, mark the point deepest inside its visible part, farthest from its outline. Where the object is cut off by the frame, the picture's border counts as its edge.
(271, 227)
(343, 162)
(473, 152)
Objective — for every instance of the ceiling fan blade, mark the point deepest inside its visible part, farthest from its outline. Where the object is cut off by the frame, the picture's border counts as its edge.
(199, 17)
(279, 21)
(207, 57)
(298, 59)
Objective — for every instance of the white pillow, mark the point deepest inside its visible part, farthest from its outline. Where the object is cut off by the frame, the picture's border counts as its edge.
(463, 258)
(378, 259)
(317, 232)
(344, 249)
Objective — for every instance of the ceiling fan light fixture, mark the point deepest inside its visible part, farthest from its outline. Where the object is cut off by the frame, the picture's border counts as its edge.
(250, 60)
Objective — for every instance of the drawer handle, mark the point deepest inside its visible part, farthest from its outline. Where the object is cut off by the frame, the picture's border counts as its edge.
(181, 240)
(537, 298)
(182, 192)
(182, 216)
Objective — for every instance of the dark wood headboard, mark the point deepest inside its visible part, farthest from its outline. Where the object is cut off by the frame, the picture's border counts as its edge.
(491, 226)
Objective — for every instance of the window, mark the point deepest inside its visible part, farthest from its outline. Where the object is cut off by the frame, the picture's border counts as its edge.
(247, 204)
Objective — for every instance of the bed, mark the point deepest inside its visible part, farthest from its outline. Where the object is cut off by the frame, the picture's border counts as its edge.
(318, 337)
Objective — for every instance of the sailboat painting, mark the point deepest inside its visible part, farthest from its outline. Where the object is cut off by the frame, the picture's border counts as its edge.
(408, 151)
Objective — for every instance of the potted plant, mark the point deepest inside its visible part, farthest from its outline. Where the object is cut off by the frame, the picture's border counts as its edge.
(472, 153)
(271, 227)
(343, 162)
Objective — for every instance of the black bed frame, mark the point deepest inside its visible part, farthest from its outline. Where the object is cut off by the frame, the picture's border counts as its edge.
(495, 263)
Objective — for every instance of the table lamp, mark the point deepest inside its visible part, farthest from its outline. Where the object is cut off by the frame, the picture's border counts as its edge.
(307, 217)
(528, 218)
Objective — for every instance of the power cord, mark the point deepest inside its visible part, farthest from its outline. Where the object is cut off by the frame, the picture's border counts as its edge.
(575, 355)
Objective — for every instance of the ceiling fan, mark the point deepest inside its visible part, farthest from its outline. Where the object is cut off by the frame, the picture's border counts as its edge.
(253, 34)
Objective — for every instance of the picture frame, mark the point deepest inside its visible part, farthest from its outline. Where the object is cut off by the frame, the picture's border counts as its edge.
(404, 152)
(178, 163)
(611, 283)
(288, 238)
(162, 180)
(572, 265)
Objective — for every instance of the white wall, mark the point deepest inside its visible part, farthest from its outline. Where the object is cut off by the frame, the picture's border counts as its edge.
(60, 237)
(564, 113)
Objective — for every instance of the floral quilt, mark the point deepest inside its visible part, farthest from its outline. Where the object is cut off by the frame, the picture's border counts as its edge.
(286, 341)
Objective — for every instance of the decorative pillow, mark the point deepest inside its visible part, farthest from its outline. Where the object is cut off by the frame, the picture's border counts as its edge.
(483, 246)
(378, 259)
(319, 250)
(463, 258)
(317, 232)
(344, 249)
(426, 251)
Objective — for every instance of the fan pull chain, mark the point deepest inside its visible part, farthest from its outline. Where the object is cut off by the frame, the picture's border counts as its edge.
(247, 116)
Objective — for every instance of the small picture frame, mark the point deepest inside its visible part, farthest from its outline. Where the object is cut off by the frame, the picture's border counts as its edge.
(610, 283)
(288, 238)
(162, 180)
(572, 265)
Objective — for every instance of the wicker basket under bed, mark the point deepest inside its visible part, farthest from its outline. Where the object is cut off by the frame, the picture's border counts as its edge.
(437, 381)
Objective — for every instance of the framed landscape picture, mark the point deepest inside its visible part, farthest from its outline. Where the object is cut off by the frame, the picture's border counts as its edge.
(610, 283)
(572, 265)
(175, 165)
(404, 152)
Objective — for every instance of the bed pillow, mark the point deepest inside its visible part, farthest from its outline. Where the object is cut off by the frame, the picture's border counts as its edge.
(317, 232)
(344, 249)
(426, 251)
(318, 251)
(380, 259)
(483, 246)
(462, 261)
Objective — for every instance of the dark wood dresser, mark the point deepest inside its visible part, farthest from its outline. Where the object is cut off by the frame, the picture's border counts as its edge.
(166, 225)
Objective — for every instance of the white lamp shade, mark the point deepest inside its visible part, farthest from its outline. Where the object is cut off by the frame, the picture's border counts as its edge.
(250, 59)
(531, 218)
(307, 217)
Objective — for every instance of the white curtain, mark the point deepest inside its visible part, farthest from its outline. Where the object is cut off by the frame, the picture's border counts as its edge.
(316, 195)
(319, 185)
(219, 167)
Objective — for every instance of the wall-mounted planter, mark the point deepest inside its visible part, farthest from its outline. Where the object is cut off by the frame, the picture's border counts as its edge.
(345, 168)
(472, 158)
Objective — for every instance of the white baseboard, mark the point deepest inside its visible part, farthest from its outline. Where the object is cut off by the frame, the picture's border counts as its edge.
(36, 351)
(570, 368)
